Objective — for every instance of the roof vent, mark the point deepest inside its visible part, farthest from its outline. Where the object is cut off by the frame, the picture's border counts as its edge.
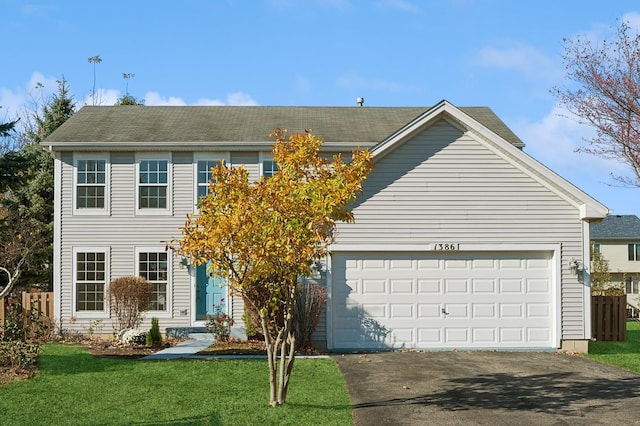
(360, 101)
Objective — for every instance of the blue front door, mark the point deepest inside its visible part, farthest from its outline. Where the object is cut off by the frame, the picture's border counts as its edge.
(210, 290)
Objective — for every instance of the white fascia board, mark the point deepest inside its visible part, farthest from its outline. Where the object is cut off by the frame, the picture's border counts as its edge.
(387, 145)
(191, 146)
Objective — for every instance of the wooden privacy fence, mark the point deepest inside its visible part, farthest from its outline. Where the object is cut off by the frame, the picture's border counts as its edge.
(42, 301)
(609, 318)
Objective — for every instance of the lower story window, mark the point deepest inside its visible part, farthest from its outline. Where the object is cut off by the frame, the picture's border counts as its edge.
(631, 285)
(153, 266)
(90, 280)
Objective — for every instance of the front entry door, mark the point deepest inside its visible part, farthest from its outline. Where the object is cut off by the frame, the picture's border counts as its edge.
(210, 290)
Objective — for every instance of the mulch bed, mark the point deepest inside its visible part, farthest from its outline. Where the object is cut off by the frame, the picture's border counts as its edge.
(236, 347)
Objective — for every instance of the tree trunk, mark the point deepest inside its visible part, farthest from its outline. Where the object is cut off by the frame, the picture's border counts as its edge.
(271, 357)
(288, 350)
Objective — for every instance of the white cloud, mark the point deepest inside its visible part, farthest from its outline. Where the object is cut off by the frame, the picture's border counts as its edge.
(103, 97)
(336, 4)
(529, 60)
(554, 141)
(399, 5)
(155, 99)
(240, 99)
(235, 98)
(633, 19)
(35, 93)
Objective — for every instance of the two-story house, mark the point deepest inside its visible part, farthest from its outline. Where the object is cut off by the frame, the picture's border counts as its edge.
(617, 238)
(460, 240)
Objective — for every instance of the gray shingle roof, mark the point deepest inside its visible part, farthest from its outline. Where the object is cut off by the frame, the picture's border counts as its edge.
(148, 124)
(615, 227)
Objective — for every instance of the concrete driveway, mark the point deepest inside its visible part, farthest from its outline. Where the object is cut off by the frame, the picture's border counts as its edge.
(496, 388)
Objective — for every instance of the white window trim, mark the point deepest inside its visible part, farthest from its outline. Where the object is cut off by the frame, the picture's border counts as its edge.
(205, 156)
(168, 211)
(103, 314)
(262, 157)
(158, 249)
(107, 182)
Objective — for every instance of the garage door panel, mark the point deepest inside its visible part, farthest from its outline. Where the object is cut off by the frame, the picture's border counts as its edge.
(484, 286)
(396, 300)
(429, 311)
(429, 286)
(485, 336)
(456, 286)
(402, 286)
(370, 286)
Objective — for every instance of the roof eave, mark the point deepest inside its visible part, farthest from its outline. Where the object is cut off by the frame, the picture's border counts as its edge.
(198, 146)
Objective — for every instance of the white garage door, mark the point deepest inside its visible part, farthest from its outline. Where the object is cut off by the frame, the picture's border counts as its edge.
(442, 300)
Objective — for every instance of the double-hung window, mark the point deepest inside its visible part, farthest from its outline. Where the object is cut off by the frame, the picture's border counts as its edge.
(153, 186)
(268, 167)
(153, 265)
(203, 164)
(90, 279)
(631, 285)
(91, 184)
(634, 251)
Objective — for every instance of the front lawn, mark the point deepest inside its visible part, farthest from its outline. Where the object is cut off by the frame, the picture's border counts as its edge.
(620, 354)
(75, 388)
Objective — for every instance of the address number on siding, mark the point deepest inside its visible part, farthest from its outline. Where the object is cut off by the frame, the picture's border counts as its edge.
(446, 246)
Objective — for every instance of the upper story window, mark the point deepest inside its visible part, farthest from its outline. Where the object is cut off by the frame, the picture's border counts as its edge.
(91, 180)
(203, 177)
(203, 162)
(153, 184)
(268, 167)
(634, 251)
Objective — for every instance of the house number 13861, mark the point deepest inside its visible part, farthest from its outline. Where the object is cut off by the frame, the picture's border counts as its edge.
(446, 246)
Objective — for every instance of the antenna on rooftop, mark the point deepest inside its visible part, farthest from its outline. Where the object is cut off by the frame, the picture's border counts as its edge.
(360, 101)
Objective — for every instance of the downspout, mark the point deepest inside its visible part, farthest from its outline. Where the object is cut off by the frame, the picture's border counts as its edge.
(586, 277)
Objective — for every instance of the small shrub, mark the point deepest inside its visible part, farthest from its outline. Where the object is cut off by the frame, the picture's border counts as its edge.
(219, 323)
(129, 297)
(310, 300)
(132, 336)
(251, 325)
(20, 325)
(20, 356)
(154, 338)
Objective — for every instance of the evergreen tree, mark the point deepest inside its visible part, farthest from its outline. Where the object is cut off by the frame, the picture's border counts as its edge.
(27, 201)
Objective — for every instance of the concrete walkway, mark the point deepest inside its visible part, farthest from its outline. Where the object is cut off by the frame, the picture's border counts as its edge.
(186, 349)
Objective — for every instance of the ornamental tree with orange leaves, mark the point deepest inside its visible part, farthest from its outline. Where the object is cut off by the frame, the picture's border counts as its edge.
(261, 236)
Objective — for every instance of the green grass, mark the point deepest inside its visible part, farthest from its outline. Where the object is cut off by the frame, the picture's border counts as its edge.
(625, 355)
(74, 388)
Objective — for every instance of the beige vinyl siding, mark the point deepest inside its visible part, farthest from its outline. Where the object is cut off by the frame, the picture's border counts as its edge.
(123, 231)
(444, 185)
(249, 160)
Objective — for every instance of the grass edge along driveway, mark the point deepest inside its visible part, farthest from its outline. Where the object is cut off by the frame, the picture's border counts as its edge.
(625, 355)
(73, 387)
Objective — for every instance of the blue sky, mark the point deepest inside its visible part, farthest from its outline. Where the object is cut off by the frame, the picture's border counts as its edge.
(497, 53)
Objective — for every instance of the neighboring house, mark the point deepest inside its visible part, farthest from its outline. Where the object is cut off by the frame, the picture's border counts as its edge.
(617, 238)
(460, 240)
